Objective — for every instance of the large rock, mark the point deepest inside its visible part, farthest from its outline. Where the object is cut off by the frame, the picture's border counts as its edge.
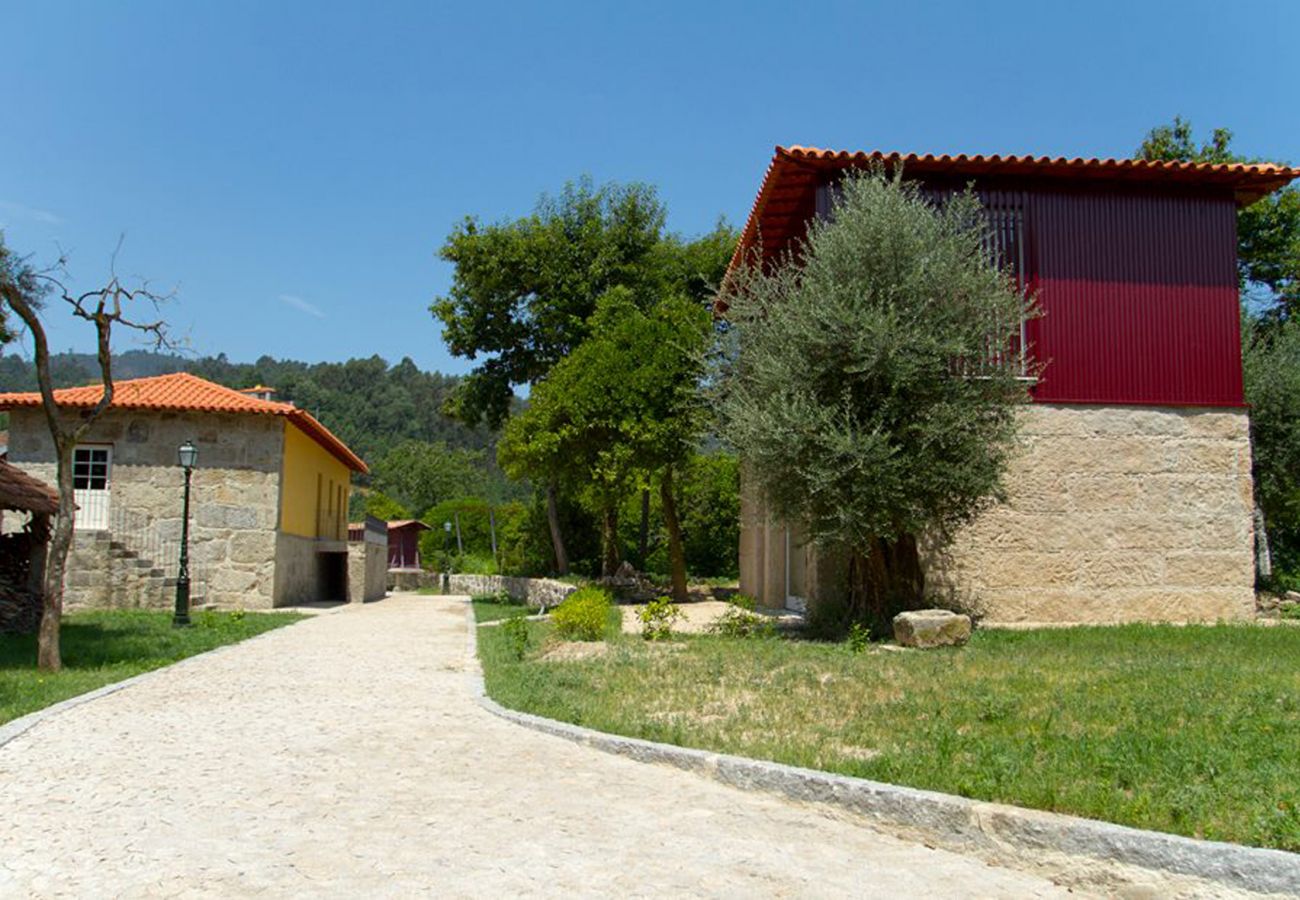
(931, 628)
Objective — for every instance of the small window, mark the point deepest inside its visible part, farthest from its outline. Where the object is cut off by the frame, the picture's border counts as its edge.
(90, 468)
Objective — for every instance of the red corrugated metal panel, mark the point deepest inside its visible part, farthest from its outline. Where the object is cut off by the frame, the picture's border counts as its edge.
(1139, 298)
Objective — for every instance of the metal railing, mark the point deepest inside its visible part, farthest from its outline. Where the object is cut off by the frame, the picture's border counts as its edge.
(143, 535)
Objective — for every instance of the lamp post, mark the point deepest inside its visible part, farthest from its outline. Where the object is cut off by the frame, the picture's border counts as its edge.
(446, 554)
(187, 455)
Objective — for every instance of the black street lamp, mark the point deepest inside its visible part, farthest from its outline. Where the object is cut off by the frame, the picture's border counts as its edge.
(188, 456)
(446, 555)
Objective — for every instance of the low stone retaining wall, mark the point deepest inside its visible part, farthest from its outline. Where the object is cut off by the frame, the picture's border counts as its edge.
(533, 591)
(539, 592)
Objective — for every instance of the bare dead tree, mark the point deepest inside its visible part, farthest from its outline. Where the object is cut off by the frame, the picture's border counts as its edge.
(24, 291)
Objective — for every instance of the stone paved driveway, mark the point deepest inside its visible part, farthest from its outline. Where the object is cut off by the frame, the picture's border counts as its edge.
(345, 756)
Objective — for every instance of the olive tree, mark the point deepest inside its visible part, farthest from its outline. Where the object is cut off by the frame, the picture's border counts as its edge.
(867, 393)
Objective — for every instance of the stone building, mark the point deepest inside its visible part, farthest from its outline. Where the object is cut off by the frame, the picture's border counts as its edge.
(268, 506)
(1131, 496)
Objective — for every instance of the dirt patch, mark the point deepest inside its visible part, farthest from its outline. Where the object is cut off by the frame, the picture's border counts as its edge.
(575, 651)
(847, 751)
(697, 616)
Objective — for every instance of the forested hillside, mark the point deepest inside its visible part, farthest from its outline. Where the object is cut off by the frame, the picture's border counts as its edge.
(371, 405)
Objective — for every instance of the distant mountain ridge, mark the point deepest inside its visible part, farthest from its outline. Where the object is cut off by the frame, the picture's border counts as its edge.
(369, 404)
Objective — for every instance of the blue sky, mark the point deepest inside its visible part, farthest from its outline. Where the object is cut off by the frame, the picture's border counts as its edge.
(291, 168)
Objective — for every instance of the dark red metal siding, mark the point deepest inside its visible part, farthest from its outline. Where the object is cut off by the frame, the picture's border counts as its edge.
(404, 546)
(1139, 297)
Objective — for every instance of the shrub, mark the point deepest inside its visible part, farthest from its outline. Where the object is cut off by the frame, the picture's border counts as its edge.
(859, 637)
(739, 622)
(743, 601)
(657, 619)
(516, 633)
(582, 615)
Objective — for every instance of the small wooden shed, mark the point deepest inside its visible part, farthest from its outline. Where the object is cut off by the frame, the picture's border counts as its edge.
(404, 543)
(22, 553)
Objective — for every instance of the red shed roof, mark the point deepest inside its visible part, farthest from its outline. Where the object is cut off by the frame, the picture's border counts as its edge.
(183, 392)
(785, 200)
(399, 524)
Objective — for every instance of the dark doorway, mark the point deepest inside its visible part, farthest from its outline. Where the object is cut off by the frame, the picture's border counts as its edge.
(333, 577)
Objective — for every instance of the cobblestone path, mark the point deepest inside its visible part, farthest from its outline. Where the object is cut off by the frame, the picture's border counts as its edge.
(345, 756)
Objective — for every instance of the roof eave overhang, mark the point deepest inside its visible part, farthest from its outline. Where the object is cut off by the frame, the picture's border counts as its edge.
(303, 420)
(795, 170)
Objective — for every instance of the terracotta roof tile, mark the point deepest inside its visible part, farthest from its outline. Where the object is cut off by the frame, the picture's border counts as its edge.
(183, 392)
(785, 198)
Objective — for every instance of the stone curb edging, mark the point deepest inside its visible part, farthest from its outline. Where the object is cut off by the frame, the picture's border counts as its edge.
(17, 727)
(956, 823)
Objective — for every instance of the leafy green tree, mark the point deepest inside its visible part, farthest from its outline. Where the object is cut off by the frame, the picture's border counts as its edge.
(706, 492)
(1271, 367)
(1268, 231)
(709, 501)
(420, 475)
(623, 405)
(849, 398)
(523, 292)
(382, 506)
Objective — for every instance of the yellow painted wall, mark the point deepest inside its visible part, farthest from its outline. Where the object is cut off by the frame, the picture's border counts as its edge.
(314, 489)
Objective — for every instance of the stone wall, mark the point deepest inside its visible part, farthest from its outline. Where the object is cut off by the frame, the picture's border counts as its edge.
(367, 571)
(298, 571)
(235, 490)
(100, 576)
(533, 591)
(1113, 514)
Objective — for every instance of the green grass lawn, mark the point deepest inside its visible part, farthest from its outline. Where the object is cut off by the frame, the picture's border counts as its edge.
(492, 607)
(1191, 730)
(108, 645)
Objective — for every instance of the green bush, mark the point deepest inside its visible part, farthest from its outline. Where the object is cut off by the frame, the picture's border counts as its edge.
(859, 637)
(516, 632)
(738, 622)
(657, 619)
(740, 619)
(582, 615)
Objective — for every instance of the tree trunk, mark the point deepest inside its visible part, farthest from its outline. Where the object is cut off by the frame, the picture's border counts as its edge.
(643, 536)
(48, 656)
(609, 541)
(884, 581)
(102, 307)
(557, 539)
(676, 552)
